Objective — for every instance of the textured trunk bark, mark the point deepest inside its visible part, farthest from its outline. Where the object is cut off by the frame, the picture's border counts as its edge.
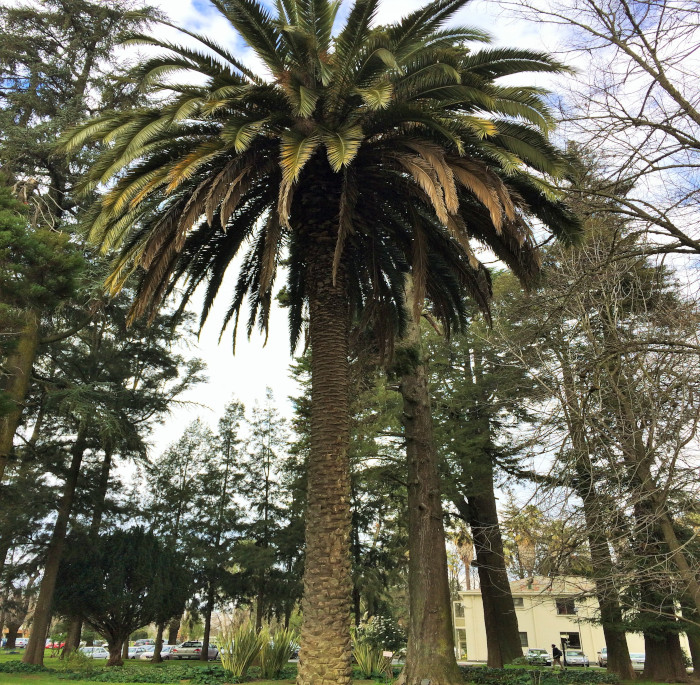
(42, 611)
(19, 372)
(125, 650)
(500, 620)
(325, 657)
(664, 659)
(430, 655)
(157, 658)
(173, 630)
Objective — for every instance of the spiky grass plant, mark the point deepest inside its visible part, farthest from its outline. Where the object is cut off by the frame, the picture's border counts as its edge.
(239, 647)
(276, 650)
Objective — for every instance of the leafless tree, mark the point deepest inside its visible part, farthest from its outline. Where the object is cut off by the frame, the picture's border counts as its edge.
(635, 101)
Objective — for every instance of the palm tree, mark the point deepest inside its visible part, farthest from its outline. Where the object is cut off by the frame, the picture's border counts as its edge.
(357, 158)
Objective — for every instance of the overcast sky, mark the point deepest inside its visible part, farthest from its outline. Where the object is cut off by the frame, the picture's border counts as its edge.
(246, 375)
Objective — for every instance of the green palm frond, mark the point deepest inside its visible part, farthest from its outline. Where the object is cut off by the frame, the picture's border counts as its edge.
(378, 96)
(257, 27)
(411, 30)
(342, 145)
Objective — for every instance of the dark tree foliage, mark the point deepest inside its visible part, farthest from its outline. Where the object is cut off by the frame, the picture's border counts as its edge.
(127, 580)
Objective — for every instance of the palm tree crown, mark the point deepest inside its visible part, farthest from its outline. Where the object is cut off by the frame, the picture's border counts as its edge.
(357, 157)
(403, 126)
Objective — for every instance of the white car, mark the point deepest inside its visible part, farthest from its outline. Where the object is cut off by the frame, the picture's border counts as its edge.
(575, 657)
(164, 653)
(21, 642)
(637, 660)
(135, 652)
(95, 652)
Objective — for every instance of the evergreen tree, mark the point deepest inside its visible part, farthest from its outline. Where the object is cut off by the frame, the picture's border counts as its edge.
(127, 580)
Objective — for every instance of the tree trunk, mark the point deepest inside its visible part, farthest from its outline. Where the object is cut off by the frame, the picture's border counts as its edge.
(157, 658)
(173, 630)
(42, 611)
(430, 654)
(12, 630)
(76, 623)
(664, 659)
(325, 657)
(73, 638)
(500, 619)
(125, 650)
(204, 656)
(260, 604)
(115, 653)
(19, 372)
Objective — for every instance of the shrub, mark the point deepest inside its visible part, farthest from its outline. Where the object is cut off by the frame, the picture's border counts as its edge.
(382, 632)
(522, 676)
(20, 667)
(238, 648)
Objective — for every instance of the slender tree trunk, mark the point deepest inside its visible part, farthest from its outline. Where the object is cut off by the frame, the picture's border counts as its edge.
(204, 656)
(173, 630)
(157, 658)
(75, 628)
(325, 657)
(18, 369)
(260, 603)
(125, 650)
(42, 611)
(500, 619)
(430, 654)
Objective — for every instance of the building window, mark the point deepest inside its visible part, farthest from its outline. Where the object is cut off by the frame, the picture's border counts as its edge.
(565, 607)
(523, 640)
(459, 610)
(461, 643)
(518, 602)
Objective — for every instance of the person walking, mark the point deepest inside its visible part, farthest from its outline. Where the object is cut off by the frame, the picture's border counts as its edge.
(556, 657)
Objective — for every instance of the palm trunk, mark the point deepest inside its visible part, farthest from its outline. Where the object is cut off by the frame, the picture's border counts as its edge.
(430, 654)
(42, 611)
(19, 372)
(326, 605)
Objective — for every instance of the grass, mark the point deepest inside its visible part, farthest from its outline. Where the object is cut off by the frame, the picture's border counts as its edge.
(55, 663)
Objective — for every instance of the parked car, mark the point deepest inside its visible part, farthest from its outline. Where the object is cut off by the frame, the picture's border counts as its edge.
(538, 657)
(95, 652)
(575, 657)
(145, 642)
(140, 649)
(192, 650)
(638, 660)
(21, 642)
(164, 653)
(603, 657)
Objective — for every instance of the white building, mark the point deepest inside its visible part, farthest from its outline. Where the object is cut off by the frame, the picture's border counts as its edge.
(548, 610)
